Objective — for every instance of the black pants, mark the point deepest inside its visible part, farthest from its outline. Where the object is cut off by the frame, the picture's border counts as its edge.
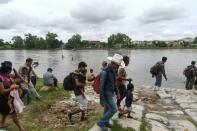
(55, 82)
(190, 83)
(122, 91)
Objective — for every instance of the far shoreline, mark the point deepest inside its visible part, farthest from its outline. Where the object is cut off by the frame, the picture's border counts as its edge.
(145, 48)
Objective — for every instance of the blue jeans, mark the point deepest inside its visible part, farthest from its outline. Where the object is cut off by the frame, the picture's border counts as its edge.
(27, 93)
(158, 80)
(109, 111)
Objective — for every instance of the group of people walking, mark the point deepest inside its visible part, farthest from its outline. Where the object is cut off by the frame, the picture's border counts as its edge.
(15, 85)
(10, 102)
(113, 88)
(190, 72)
(113, 83)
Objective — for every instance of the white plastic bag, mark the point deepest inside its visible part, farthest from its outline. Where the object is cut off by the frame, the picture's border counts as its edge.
(18, 104)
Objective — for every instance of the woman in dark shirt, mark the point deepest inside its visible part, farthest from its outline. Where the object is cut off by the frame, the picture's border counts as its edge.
(5, 70)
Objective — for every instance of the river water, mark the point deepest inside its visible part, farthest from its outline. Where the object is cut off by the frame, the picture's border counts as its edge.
(141, 61)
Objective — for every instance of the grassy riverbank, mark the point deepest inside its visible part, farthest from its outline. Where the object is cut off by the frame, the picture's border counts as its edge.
(29, 118)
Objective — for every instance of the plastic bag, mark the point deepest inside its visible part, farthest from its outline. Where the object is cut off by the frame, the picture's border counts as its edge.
(18, 104)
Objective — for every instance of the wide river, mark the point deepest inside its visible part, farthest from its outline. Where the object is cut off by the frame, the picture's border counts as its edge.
(141, 61)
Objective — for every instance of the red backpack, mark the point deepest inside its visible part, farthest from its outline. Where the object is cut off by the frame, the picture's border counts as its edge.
(95, 85)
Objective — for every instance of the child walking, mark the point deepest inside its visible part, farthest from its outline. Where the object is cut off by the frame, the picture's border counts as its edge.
(128, 101)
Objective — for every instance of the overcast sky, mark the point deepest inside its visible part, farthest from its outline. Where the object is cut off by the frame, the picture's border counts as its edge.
(97, 19)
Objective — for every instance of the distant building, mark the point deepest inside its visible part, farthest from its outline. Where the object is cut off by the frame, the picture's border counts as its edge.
(187, 39)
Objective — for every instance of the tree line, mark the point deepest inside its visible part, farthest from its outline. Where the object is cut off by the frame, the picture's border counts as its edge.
(118, 40)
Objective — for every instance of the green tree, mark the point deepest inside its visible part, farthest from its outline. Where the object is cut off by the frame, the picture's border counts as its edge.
(119, 38)
(74, 42)
(195, 40)
(52, 42)
(1, 42)
(159, 44)
(162, 44)
(18, 42)
(30, 41)
(40, 43)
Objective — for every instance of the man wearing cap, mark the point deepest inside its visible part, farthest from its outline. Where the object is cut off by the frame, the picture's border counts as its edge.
(190, 72)
(107, 90)
(49, 78)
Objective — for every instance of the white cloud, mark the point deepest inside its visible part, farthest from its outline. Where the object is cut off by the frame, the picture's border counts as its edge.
(97, 19)
(98, 11)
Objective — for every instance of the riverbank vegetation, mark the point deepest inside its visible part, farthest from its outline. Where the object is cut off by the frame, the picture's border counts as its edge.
(119, 40)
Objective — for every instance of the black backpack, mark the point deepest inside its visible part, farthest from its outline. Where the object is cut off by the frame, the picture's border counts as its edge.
(69, 82)
(190, 71)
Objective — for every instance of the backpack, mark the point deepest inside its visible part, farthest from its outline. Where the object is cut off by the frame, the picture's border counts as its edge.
(189, 71)
(69, 82)
(96, 82)
(154, 70)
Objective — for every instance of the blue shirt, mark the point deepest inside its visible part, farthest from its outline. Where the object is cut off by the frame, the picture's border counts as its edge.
(48, 78)
(162, 68)
(107, 84)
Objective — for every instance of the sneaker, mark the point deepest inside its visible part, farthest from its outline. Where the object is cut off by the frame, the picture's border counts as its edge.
(119, 115)
(70, 117)
(130, 117)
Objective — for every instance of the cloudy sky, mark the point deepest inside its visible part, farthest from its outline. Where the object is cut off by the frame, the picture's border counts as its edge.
(97, 19)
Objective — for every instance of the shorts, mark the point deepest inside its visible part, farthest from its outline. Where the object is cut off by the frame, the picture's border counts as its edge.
(83, 103)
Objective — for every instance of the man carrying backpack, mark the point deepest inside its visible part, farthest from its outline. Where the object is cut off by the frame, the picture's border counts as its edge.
(190, 73)
(107, 90)
(79, 84)
(161, 71)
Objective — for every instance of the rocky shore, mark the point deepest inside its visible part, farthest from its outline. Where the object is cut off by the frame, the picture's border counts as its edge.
(166, 110)
(169, 109)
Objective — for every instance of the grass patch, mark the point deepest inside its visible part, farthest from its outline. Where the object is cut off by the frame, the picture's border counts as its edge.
(118, 127)
(144, 124)
(29, 118)
(92, 120)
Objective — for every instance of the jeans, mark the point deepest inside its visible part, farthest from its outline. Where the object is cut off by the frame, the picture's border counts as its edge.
(33, 80)
(158, 80)
(109, 110)
(190, 83)
(28, 94)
